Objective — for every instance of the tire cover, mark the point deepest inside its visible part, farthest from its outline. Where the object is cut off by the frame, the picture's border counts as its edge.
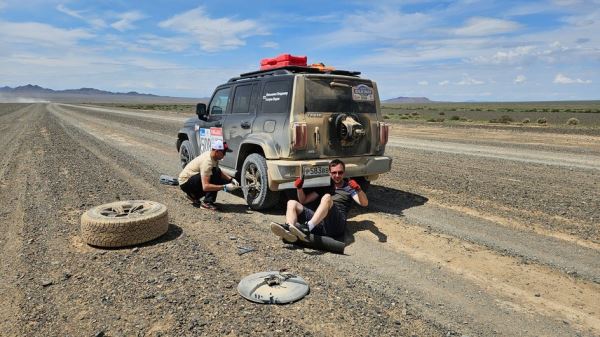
(124, 223)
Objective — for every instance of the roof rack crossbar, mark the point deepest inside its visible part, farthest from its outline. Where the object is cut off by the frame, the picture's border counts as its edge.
(291, 70)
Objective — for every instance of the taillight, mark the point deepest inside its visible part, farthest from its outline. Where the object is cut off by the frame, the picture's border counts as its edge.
(384, 130)
(299, 137)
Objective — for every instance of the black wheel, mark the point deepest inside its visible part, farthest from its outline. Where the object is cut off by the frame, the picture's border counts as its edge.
(124, 223)
(185, 153)
(255, 183)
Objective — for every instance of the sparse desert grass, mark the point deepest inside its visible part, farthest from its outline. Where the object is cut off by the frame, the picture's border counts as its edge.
(554, 113)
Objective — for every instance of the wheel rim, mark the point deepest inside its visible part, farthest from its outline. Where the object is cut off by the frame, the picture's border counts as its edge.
(253, 181)
(128, 210)
(184, 156)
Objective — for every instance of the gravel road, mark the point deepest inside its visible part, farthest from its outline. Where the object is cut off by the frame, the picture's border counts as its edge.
(474, 232)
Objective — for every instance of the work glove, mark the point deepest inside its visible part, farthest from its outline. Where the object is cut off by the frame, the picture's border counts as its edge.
(235, 182)
(230, 187)
(298, 183)
(355, 186)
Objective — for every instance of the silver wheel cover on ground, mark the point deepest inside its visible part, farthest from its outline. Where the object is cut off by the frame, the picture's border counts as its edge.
(273, 287)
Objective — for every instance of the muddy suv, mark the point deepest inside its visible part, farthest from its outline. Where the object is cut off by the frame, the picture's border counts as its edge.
(287, 122)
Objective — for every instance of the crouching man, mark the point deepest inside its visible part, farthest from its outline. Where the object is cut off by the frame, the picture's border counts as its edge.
(329, 219)
(202, 177)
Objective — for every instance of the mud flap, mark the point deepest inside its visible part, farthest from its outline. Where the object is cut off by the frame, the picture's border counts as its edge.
(325, 243)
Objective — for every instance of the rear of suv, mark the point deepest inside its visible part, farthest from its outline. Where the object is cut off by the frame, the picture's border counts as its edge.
(288, 122)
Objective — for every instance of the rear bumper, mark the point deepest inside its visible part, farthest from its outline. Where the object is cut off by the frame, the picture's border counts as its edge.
(283, 172)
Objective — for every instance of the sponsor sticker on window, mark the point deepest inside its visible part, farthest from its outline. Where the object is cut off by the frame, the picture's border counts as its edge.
(362, 92)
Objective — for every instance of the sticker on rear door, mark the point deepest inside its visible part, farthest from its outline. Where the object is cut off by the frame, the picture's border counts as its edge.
(362, 92)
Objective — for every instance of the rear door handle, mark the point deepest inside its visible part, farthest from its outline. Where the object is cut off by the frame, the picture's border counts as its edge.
(245, 125)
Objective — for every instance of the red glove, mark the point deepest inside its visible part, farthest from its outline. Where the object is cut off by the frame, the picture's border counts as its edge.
(352, 183)
(299, 182)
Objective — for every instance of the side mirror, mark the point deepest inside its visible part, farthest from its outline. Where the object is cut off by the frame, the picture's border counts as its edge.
(201, 111)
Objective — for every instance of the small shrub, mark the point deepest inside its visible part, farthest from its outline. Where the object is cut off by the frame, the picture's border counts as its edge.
(464, 119)
(526, 120)
(555, 110)
(415, 113)
(454, 118)
(404, 117)
(505, 119)
(386, 117)
(493, 121)
(442, 113)
(437, 120)
(572, 121)
(542, 121)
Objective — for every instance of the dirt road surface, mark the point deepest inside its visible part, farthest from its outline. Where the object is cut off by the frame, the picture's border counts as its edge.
(474, 232)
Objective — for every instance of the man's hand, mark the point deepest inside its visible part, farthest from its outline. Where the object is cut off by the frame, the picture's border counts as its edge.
(230, 187)
(355, 186)
(298, 183)
(235, 182)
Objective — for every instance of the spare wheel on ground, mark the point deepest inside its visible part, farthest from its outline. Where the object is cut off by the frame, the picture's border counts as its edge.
(124, 223)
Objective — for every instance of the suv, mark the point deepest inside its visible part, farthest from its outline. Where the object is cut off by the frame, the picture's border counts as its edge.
(289, 122)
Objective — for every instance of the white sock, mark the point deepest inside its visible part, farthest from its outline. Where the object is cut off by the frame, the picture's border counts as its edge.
(310, 225)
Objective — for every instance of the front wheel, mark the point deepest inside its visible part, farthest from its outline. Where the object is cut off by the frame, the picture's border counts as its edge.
(255, 183)
(185, 153)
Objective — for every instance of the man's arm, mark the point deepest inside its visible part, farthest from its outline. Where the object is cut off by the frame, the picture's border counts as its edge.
(360, 197)
(208, 187)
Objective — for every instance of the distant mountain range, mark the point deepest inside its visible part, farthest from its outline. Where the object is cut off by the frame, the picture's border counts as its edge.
(35, 93)
(407, 100)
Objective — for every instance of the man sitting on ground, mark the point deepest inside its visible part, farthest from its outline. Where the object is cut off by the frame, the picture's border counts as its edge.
(202, 177)
(329, 219)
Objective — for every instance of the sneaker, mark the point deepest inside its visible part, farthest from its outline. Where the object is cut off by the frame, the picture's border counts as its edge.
(301, 231)
(282, 230)
(209, 205)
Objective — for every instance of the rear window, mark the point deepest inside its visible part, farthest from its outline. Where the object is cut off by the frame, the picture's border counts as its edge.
(339, 95)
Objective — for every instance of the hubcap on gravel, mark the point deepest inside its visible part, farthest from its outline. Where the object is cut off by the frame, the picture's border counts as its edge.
(273, 287)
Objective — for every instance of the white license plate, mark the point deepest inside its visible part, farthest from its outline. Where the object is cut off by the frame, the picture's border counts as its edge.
(311, 171)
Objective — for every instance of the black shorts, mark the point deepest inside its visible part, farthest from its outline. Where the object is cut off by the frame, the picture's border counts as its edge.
(334, 224)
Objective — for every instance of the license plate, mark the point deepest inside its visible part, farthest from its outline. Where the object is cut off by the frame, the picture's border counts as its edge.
(311, 171)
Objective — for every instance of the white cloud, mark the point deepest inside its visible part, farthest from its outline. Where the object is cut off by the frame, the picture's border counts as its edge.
(126, 20)
(423, 83)
(468, 80)
(562, 79)
(383, 25)
(270, 44)
(444, 82)
(520, 79)
(480, 26)
(95, 22)
(40, 34)
(213, 34)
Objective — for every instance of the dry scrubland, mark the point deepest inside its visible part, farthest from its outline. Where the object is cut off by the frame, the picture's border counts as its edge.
(582, 114)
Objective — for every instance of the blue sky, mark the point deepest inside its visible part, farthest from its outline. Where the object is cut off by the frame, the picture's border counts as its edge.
(445, 50)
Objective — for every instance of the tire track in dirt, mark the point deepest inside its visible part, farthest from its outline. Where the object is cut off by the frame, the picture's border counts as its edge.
(16, 165)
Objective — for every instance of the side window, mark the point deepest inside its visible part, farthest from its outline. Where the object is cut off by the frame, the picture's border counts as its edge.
(241, 99)
(276, 97)
(218, 105)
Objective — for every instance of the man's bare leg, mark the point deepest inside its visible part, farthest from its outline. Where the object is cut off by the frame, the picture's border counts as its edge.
(293, 209)
(322, 210)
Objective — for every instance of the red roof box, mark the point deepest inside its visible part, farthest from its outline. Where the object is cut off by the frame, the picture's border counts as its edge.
(282, 61)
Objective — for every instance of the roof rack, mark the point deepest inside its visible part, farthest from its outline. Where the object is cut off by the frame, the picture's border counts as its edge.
(287, 70)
